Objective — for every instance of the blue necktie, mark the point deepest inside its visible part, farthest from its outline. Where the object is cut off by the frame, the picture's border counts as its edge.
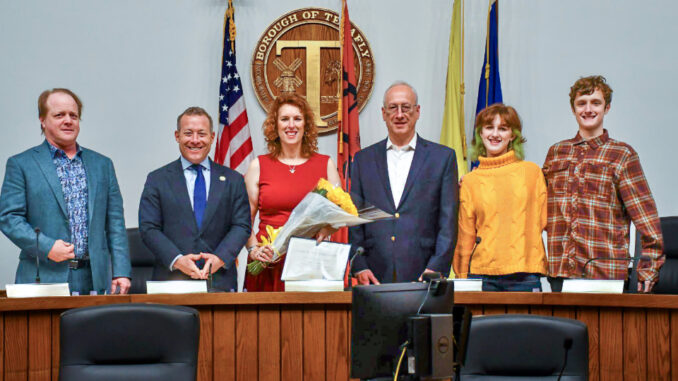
(199, 194)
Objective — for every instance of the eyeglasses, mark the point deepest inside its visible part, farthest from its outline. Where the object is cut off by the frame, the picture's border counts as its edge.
(404, 108)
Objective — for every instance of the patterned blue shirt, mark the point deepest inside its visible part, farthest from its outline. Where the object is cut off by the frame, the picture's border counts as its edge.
(73, 180)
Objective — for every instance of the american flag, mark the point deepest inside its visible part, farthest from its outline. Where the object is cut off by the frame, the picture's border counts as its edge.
(234, 143)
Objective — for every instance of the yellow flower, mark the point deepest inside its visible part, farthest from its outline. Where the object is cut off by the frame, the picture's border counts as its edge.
(272, 234)
(337, 196)
(323, 184)
(350, 208)
(334, 195)
(256, 267)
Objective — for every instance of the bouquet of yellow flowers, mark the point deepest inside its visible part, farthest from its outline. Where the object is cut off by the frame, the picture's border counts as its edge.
(337, 195)
(325, 205)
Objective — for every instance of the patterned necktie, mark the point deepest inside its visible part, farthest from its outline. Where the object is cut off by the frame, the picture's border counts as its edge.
(199, 194)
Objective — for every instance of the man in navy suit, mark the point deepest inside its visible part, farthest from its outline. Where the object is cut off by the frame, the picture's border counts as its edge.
(194, 214)
(71, 195)
(416, 181)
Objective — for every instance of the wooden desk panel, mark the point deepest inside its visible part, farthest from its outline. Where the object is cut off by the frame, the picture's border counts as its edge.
(306, 336)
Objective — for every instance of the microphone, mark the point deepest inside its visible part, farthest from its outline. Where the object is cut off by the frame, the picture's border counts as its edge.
(437, 283)
(37, 255)
(427, 277)
(617, 259)
(358, 252)
(567, 344)
(470, 257)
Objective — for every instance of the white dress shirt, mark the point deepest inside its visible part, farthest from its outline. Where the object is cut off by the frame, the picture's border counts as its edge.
(190, 175)
(399, 161)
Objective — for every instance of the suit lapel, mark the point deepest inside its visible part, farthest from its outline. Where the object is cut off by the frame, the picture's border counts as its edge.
(382, 170)
(92, 177)
(177, 182)
(42, 156)
(217, 185)
(420, 154)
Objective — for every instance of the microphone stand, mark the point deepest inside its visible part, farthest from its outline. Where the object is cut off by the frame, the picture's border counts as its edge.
(633, 279)
(209, 277)
(37, 255)
(617, 259)
(358, 252)
(470, 257)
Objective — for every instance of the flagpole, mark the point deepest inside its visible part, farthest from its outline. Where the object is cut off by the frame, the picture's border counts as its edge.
(229, 11)
(462, 86)
(231, 29)
(340, 132)
(487, 55)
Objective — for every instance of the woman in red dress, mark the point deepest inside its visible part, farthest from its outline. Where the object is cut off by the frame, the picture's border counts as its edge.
(278, 181)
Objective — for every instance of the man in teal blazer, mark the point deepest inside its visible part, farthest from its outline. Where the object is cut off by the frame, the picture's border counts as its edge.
(70, 195)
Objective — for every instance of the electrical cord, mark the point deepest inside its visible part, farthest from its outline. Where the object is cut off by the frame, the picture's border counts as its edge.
(402, 355)
(567, 344)
(428, 290)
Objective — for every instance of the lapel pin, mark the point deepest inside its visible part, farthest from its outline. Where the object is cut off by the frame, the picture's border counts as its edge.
(222, 178)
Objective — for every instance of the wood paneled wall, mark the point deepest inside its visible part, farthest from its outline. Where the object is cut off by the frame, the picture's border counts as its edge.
(306, 336)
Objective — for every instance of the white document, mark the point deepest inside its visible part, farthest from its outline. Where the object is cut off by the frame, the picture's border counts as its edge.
(468, 285)
(307, 260)
(32, 290)
(316, 285)
(176, 286)
(603, 286)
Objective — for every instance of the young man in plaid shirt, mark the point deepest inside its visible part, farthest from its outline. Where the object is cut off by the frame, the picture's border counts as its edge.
(596, 187)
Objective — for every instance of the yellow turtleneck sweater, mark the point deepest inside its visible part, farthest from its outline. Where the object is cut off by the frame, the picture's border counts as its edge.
(503, 201)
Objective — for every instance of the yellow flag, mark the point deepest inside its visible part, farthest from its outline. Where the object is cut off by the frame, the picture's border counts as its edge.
(452, 133)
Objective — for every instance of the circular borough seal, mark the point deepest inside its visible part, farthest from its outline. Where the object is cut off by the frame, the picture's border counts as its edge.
(300, 52)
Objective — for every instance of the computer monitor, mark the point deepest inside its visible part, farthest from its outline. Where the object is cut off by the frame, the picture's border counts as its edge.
(379, 323)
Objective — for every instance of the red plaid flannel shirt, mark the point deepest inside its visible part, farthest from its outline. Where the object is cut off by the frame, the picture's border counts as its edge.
(596, 188)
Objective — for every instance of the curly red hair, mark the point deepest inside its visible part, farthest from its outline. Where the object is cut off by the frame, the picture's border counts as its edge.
(309, 142)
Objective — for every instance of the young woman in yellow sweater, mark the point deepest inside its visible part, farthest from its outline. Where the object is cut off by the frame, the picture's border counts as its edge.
(502, 208)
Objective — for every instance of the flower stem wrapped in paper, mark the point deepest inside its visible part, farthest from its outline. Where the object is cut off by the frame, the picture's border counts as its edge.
(325, 205)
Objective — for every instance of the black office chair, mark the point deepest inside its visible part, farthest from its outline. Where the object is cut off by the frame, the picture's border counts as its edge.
(668, 273)
(131, 342)
(526, 347)
(142, 261)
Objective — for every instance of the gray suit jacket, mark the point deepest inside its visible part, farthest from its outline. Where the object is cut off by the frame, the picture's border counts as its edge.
(32, 197)
(168, 228)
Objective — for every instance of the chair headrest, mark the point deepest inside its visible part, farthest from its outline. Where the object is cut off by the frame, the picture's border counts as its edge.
(139, 254)
(670, 235)
(129, 333)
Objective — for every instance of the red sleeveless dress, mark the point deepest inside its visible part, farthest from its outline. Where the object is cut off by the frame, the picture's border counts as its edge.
(280, 191)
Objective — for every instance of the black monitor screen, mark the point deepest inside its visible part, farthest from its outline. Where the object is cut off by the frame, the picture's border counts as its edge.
(379, 323)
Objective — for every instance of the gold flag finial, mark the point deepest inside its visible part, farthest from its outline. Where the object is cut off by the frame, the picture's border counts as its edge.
(231, 30)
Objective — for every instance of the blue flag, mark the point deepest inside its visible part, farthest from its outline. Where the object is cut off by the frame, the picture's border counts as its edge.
(489, 89)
